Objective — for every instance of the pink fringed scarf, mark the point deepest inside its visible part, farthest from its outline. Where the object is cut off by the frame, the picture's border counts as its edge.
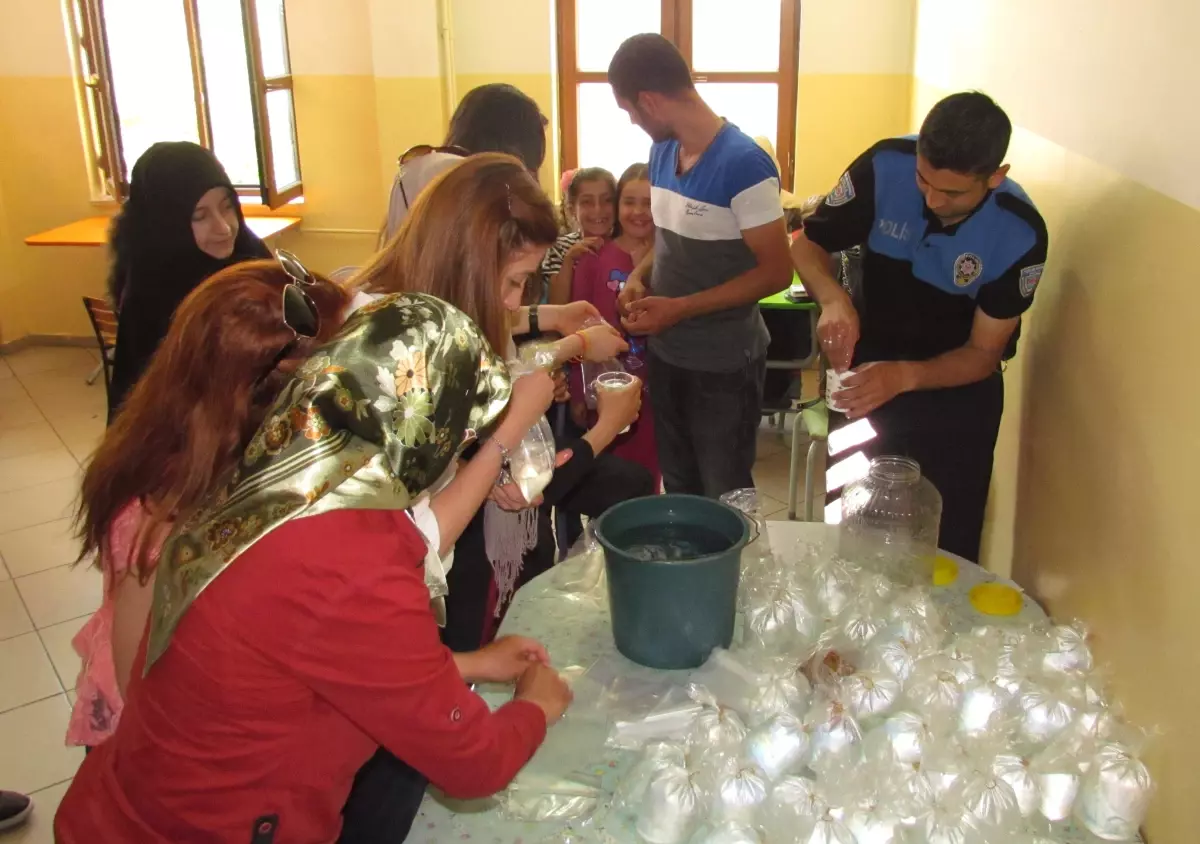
(507, 538)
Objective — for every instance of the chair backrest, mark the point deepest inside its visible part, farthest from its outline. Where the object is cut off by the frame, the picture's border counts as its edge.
(104, 324)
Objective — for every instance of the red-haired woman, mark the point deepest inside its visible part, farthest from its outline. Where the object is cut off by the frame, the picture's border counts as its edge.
(234, 342)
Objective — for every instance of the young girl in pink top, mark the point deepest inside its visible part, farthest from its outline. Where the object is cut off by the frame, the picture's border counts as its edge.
(599, 279)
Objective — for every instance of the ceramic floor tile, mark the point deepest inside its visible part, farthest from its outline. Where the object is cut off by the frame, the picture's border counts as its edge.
(38, 504)
(771, 477)
(60, 594)
(33, 438)
(71, 697)
(14, 619)
(6, 372)
(18, 411)
(40, 547)
(34, 755)
(81, 432)
(40, 359)
(40, 829)
(27, 671)
(35, 469)
(72, 401)
(57, 639)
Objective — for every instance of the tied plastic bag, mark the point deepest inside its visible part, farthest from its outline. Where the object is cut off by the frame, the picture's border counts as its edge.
(788, 693)
(946, 823)
(987, 711)
(1115, 794)
(1015, 770)
(738, 795)
(1059, 773)
(727, 833)
(1067, 649)
(869, 695)
(779, 620)
(1047, 708)
(779, 747)
(946, 762)
(902, 738)
(898, 646)
(731, 681)
(715, 727)
(861, 620)
(538, 800)
(834, 581)
(671, 809)
(836, 736)
(829, 830)
(656, 756)
(935, 687)
(792, 810)
(989, 799)
(916, 606)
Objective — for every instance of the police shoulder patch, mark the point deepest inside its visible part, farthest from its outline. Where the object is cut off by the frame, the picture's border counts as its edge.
(967, 267)
(842, 193)
(1029, 278)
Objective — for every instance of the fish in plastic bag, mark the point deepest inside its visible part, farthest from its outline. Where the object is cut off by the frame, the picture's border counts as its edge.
(836, 736)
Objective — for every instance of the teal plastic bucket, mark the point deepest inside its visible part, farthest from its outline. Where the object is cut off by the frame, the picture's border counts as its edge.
(671, 613)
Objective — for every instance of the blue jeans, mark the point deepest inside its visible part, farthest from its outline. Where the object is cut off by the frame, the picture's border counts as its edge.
(706, 426)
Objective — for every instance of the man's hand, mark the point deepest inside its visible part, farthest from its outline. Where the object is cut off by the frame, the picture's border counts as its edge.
(567, 319)
(503, 661)
(653, 315)
(837, 329)
(873, 385)
(633, 290)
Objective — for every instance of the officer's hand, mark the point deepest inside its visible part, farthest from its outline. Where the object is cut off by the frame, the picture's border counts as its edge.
(837, 329)
(872, 385)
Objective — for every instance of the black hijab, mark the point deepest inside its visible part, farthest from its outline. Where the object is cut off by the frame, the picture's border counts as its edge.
(156, 262)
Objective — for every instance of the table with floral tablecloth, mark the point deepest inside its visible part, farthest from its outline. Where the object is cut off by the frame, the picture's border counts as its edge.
(567, 610)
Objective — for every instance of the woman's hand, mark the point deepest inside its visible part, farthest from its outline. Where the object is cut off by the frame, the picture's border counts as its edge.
(562, 390)
(619, 408)
(569, 318)
(586, 246)
(602, 342)
(503, 661)
(541, 685)
(508, 496)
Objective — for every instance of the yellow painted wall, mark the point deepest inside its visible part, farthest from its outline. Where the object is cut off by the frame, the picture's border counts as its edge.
(855, 84)
(1093, 501)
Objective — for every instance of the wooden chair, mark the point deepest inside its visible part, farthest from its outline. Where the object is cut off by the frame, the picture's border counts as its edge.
(104, 324)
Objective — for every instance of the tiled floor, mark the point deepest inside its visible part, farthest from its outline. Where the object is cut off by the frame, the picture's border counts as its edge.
(50, 421)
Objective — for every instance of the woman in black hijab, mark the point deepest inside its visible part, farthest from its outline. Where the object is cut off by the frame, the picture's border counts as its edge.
(181, 223)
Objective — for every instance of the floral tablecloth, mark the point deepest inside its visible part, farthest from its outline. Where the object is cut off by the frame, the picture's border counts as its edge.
(567, 610)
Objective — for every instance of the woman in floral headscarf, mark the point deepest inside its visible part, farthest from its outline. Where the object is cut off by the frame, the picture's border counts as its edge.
(292, 629)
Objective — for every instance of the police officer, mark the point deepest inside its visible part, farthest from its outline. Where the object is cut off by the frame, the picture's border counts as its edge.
(953, 252)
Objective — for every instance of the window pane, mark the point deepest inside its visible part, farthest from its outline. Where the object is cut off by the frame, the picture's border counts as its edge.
(227, 74)
(606, 137)
(283, 139)
(603, 24)
(151, 77)
(742, 38)
(753, 106)
(272, 37)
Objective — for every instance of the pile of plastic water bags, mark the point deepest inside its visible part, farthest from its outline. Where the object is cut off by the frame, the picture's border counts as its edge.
(849, 714)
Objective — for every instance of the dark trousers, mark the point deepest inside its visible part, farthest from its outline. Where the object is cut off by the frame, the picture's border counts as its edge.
(706, 426)
(952, 435)
(383, 802)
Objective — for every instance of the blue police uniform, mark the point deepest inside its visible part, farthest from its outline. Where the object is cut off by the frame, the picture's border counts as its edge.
(922, 282)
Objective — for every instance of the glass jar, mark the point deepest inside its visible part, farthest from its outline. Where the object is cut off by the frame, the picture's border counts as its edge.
(890, 521)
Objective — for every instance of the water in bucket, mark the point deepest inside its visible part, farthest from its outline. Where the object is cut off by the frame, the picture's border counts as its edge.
(672, 543)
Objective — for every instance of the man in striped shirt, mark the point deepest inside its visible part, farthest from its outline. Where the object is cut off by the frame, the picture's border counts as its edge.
(721, 246)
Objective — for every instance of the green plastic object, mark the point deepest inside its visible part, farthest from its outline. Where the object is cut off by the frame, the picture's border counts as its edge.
(670, 614)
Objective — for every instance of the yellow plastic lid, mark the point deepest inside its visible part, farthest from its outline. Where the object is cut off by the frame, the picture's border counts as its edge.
(996, 599)
(945, 571)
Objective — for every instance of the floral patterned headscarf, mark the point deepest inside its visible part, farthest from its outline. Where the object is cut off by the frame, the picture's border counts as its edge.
(371, 420)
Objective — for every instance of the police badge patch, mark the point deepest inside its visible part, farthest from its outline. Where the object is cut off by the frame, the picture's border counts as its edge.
(967, 268)
(1030, 276)
(842, 193)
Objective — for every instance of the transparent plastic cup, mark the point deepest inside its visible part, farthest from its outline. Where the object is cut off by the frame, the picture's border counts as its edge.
(615, 381)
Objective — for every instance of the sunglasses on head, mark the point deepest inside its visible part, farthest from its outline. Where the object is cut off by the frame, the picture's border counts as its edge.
(299, 311)
(300, 314)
